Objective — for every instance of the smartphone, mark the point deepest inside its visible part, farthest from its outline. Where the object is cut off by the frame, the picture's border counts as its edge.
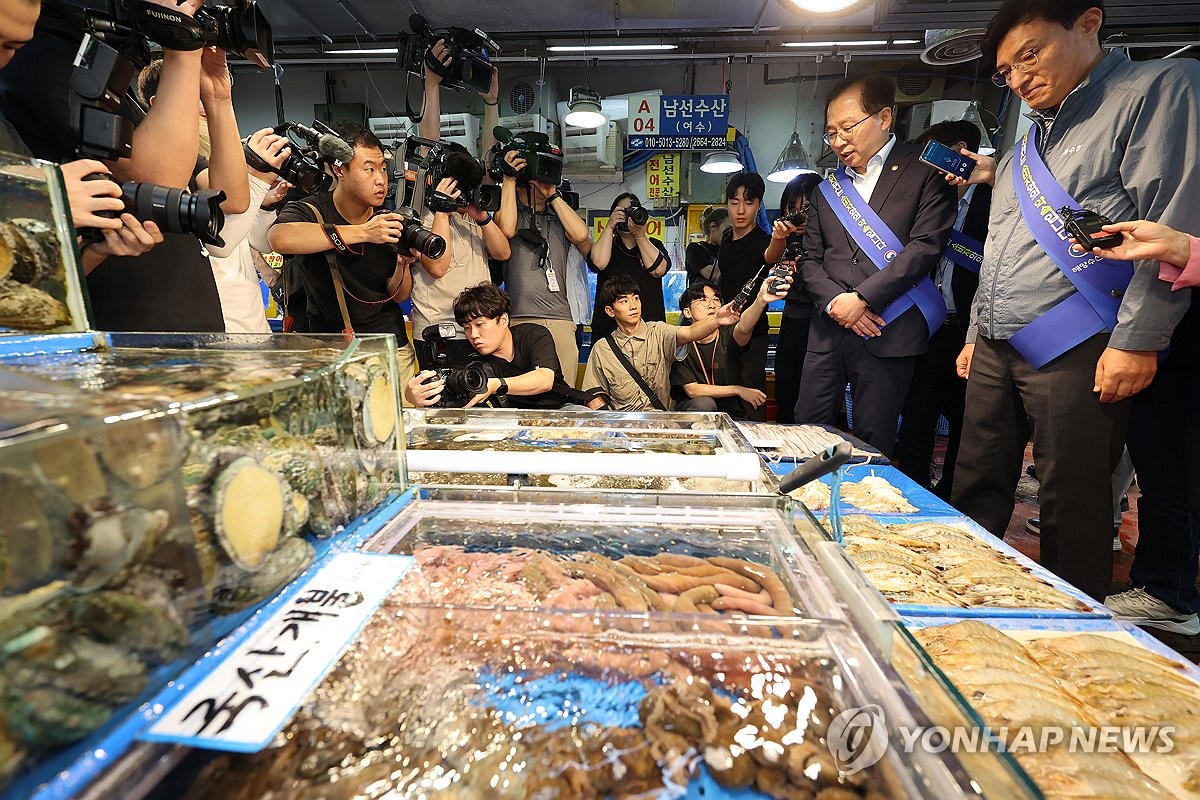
(938, 156)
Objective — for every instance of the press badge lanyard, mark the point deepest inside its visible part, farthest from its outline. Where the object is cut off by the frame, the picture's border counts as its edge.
(1100, 283)
(710, 374)
(876, 240)
(544, 259)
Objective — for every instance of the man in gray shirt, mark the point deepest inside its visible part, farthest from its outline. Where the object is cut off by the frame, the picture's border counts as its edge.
(542, 228)
(1120, 139)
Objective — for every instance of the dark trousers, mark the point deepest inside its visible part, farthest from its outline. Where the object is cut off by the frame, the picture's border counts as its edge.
(878, 387)
(1164, 443)
(790, 349)
(936, 391)
(1077, 442)
(754, 373)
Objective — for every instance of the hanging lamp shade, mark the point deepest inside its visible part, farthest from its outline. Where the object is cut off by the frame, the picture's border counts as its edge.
(721, 162)
(825, 8)
(793, 161)
(583, 109)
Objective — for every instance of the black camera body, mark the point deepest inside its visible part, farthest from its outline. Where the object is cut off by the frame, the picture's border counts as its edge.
(1087, 228)
(305, 165)
(543, 160)
(636, 214)
(422, 173)
(470, 51)
(462, 381)
(417, 236)
(173, 210)
(797, 218)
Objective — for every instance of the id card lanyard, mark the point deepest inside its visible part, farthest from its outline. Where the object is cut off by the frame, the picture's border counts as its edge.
(544, 259)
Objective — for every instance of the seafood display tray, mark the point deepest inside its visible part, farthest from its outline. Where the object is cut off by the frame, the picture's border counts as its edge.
(795, 444)
(1095, 609)
(927, 503)
(452, 538)
(521, 442)
(443, 702)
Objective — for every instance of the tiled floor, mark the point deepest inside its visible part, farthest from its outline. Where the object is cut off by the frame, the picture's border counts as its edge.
(1019, 537)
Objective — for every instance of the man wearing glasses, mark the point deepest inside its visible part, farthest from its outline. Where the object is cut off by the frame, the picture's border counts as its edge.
(1061, 339)
(876, 231)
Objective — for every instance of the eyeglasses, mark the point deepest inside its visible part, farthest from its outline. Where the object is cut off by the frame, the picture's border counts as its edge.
(709, 301)
(1025, 63)
(844, 133)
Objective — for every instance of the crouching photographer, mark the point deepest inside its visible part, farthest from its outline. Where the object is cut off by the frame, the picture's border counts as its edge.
(353, 260)
(513, 366)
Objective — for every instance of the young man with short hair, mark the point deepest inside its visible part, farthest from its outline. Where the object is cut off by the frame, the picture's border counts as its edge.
(342, 231)
(521, 359)
(702, 380)
(741, 258)
(1060, 341)
(876, 231)
(630, 369)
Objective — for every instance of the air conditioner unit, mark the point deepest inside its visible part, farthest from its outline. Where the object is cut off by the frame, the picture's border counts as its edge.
(915, 85)
(525, 91)
(597, 148)
(916, 118)
(459, 128)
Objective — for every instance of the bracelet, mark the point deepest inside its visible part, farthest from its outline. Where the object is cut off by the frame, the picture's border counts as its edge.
(553, 197)
(484, 222)
(486, 103)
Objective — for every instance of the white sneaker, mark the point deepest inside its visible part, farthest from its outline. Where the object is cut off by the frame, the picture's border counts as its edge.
(1117, 547)
(1140, 608)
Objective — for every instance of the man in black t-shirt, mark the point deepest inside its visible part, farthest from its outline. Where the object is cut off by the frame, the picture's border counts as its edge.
(522, 360)
(341, 231)
(740, 259)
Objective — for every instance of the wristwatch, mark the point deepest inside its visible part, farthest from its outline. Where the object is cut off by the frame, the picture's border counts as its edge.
(553, 197)
(485, 222)
(502, 391)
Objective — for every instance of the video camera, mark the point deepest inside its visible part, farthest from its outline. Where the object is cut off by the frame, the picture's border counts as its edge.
(462, 381)
(470, 51)
(421, 175)
(543, 160)
(311, 148)
(116, 44)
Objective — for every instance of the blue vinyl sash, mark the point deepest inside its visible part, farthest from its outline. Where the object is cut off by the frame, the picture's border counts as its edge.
(1099, 283)
(876, 240)
(965, 251)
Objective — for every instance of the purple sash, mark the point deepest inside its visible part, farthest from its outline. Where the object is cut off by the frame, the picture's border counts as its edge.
(965, 251)
(876, 240)
(1099, 283)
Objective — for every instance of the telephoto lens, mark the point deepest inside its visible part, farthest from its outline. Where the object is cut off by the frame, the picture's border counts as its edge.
(421, 239)
(467, 381)
(173, 210)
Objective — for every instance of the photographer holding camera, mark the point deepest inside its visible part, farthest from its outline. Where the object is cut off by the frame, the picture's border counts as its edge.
(625, 249)
(542, 228)
(514, 365)
(347, 252)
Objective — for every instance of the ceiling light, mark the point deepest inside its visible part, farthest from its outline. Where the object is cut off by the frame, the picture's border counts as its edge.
(793, 161)
(608, 48)
(584, 109)
(825, 8)
(854, 43)
(721, 162)
(370, 51)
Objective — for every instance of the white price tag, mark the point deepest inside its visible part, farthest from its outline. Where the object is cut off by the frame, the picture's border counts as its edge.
(253, 691)
(551, 279)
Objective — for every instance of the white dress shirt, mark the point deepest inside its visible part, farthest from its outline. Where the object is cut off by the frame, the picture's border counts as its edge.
(865, 182)
(945, 273)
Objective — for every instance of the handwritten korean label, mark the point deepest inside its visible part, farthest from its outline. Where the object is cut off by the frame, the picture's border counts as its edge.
(255, 689)
(662, 176)
(688, 122)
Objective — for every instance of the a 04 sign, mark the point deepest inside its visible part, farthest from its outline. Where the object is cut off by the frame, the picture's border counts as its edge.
(643, 114)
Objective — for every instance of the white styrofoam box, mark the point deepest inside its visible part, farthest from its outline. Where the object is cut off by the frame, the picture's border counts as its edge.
(532, 123)
(460, 128)
(599, 146)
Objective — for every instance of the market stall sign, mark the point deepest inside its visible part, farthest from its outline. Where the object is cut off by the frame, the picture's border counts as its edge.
(662, 176)
(654, 226)
(253, 691)
(678, 122)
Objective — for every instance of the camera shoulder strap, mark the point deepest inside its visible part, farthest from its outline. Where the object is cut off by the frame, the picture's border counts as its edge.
(652, 395)
(338, 286)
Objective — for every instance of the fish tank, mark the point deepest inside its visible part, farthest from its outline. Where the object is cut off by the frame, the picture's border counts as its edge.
(720, 557)
(450, 703)
(40, 277)
(619, 451)
(156, 489)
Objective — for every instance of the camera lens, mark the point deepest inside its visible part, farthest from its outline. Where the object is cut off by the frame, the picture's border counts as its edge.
(243, 31)
(467, 381)
(305, 174)
(637, 215)
(423, 240)
(177, 210)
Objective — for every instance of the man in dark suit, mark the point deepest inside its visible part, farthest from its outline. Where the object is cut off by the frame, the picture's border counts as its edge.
(936, 388)
(876, 306)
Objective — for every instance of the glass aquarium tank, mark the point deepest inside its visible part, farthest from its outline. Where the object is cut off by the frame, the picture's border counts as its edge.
(40, 276)
(660, 451)
(452, 703)
(155, 487)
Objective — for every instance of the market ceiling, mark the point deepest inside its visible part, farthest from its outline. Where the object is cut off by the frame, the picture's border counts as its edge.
(698, 28)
